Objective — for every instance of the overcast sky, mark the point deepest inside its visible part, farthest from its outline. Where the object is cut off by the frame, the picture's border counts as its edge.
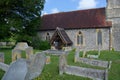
(55, 6)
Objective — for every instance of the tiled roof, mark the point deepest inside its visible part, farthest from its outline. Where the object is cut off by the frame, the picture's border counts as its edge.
(63, 36)
(91, 18)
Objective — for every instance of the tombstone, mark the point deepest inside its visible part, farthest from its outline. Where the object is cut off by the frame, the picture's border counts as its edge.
(2, 57)
(99, 50)
(76, 56)
(16, 71)
(36, 66)
(3, 66)
(16, 54)
(62, 63)
(48, 60)
(84, 53)
(29, 52)
(21, 46)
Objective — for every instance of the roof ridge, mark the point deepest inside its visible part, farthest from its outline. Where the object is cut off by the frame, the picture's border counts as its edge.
(73, 11)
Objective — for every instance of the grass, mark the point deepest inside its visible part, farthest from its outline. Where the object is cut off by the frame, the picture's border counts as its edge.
(51, 71)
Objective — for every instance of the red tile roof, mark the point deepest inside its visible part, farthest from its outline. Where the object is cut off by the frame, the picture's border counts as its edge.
(63, 36)
(91, 18)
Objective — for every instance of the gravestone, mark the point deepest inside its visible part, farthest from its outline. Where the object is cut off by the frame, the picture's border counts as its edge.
(48, 60)
(93, 56)
(16, 54)
(29, 52)
(84, 53)
(36, 66)
(3, 66)
(94, 74)
(55, 52)
(76, 56)
(21, 46)
(16, 71)
(62, 63)
(2, 57)
(93, 62)
(99, 46)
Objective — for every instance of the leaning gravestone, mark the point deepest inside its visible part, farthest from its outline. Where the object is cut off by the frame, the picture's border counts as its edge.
(36, 66)
(16, 71)
(2, 57)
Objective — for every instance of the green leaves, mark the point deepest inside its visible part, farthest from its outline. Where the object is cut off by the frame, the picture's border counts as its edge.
(23, 16)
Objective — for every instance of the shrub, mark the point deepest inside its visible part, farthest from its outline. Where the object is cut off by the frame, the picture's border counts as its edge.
(37, 43)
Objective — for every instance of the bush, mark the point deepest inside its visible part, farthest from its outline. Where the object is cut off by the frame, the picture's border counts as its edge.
(37, 43)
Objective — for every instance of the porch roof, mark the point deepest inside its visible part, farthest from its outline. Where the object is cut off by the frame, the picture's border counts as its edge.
(63, 36)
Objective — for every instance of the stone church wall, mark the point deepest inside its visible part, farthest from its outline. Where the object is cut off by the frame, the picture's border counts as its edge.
(89, 38)
(113, 14)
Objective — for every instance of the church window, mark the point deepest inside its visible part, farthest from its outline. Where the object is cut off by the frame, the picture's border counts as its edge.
(79, 38)
(99, 37)
(48, 37)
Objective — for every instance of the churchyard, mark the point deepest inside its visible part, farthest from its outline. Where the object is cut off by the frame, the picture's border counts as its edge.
(67, 67)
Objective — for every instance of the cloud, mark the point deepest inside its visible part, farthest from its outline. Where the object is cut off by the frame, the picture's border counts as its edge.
(43, 13)
(87, 4)
(54, 10)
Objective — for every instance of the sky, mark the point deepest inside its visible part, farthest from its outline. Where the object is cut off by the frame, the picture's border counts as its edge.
(55, 6)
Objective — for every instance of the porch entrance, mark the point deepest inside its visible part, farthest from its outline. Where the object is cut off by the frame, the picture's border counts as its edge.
(60, 39)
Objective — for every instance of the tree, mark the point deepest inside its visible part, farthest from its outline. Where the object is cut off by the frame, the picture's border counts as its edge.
(20, 18)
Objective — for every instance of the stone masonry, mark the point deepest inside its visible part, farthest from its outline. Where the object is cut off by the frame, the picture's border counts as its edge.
(89, 38)
(113, 14)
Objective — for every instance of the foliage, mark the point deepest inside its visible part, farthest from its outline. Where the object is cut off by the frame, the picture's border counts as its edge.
(37, 43)
(19, 17)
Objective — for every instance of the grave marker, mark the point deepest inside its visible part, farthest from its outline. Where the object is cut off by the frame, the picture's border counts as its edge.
(48, 60)
(36, 66)
(16, 71)
(2, 57)
(16, 54)
(29, 52)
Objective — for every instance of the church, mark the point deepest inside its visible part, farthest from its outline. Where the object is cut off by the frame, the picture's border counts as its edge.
(88, 29)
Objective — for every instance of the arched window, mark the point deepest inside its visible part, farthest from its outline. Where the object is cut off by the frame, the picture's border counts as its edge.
(99, 37)
(79, 38)
(48, 37)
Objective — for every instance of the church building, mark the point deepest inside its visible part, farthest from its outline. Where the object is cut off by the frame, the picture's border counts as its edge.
(89, 29)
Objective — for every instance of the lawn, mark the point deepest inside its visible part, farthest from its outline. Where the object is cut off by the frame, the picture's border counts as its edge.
(51, 71)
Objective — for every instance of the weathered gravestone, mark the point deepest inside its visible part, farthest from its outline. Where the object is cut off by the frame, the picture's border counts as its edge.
(2, 57)
(76, 56)
(3, 66)
(16, 71)
(94, 74)
(84, 53)
(36, 66)
(93, 62)
(16, 54)
(55, 52)
(62, 63)
(29, 52)
(21, 46)
(47, 59)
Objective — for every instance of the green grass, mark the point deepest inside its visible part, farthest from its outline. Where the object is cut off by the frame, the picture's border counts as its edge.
(51, 71)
